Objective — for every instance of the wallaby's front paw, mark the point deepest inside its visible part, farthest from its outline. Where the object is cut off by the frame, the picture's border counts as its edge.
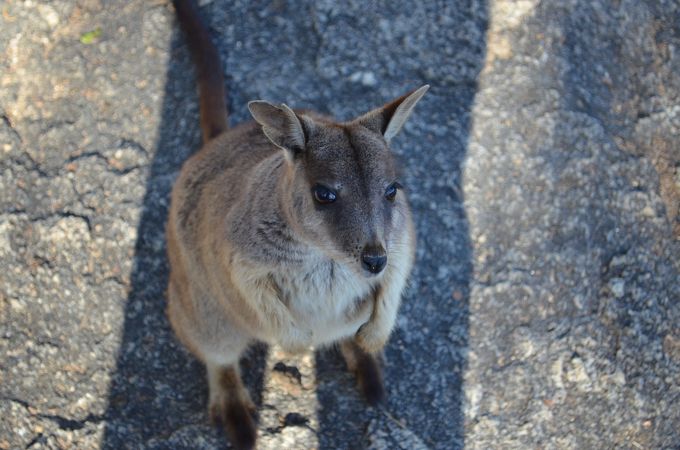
(372, 338)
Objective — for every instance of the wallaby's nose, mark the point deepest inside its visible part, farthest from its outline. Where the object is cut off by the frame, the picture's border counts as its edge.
(374, 258)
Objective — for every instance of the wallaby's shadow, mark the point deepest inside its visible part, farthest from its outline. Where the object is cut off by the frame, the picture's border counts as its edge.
(344, 62)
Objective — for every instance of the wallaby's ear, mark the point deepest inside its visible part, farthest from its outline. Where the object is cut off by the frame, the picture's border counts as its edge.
(280, 124)
(389, 119)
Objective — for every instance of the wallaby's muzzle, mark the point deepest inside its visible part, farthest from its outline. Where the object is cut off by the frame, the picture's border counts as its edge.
(374, 258)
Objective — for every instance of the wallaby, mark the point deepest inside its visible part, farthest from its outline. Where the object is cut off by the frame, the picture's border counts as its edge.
(291, 229)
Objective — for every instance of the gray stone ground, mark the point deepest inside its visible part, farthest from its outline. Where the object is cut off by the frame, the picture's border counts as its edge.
(543, 168)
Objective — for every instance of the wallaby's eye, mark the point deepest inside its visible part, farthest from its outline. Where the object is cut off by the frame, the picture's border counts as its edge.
(324, 195)
(391, 191)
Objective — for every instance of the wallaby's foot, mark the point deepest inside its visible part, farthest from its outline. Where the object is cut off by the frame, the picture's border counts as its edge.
(237, 420)
(230, 406)
(366, 368)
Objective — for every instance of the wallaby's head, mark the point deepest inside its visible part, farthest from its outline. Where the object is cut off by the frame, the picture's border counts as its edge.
(343, 192)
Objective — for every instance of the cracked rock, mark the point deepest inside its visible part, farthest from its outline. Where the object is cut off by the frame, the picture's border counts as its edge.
(541, 167)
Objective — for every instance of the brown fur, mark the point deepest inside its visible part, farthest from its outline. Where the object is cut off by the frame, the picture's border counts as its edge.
(208, 70)
(366, 368)
(254, 257)
(236, 411)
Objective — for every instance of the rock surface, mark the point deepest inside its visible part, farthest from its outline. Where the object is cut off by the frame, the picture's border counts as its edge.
(542, 166)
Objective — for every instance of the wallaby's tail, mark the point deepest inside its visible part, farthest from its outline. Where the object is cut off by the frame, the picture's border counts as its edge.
(208, 69)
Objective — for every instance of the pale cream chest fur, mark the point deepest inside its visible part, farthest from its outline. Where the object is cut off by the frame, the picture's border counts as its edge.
(326, 300)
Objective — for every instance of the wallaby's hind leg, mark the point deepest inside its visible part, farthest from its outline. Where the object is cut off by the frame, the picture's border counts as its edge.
(210, 339)
(231, 406)
(367, 369)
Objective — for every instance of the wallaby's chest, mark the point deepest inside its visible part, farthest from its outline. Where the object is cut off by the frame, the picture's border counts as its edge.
(325, 298)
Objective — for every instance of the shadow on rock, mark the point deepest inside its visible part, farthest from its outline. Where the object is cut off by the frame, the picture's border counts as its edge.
(427, 354)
